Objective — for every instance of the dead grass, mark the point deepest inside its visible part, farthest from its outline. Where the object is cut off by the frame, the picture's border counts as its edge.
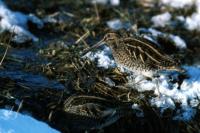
(61, 61)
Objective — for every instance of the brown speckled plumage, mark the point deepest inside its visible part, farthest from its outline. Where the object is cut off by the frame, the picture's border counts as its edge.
(137, 54)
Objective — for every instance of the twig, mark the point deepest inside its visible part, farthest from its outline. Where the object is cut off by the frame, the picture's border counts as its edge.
(82, 37)
(5, 53)
(20, 106)
(96, 11)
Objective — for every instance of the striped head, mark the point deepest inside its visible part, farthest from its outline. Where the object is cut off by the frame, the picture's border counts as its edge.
(109, 39)
(172, 64)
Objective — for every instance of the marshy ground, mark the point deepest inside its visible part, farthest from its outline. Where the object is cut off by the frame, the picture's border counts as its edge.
(51, 82)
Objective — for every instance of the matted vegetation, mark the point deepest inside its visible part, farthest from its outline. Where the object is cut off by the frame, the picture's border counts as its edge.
(86, 101)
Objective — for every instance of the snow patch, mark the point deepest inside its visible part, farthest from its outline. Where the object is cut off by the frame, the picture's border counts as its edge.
(163, 103)
(13, 122)
(186, 95)
(193, 22)
(16, 22)
(100, 1)
(104, 2)
(115, 2)
(102, 57)
(115, 24)
(109, 81)
(177, 3)
(190, 22)
(197, 3)
(161, 20)
(178, 41)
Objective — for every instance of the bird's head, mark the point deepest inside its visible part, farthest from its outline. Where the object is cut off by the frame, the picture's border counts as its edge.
(175, 65)
(108, 39)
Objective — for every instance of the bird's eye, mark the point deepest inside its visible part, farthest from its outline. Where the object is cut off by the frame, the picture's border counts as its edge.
(108, 36)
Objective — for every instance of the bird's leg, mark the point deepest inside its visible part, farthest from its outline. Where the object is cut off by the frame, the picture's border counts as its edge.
(140, 80)
(132, 81)
(156, 79)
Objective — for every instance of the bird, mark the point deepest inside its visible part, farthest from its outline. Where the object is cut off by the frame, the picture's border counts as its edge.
(94, 112)
(137, 54)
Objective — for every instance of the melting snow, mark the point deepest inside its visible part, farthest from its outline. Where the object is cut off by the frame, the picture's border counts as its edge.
(161, 20)
(13, 122)
(177, 3)
(100, 1)
(102, 57)
(17, 22)
(163, 103)
(109, 81)
(115, 2)
(179, 42)
(115, 24)
(186, 95)
(191, 22)
(112, 2)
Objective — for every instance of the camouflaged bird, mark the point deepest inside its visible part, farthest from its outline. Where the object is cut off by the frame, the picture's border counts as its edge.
(137, 54)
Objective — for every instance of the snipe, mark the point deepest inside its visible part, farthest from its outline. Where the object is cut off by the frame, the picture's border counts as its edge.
(137, 54)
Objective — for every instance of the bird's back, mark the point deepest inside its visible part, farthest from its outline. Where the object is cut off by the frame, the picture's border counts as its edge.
(140, 54)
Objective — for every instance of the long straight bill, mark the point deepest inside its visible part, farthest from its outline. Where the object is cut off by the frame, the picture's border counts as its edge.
(93, 47)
